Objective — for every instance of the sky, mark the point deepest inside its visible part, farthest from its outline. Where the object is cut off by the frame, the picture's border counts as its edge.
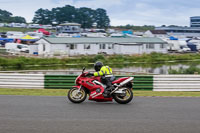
(120, 12)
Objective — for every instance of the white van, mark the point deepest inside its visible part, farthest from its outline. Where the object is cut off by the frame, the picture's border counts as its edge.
(16, 47)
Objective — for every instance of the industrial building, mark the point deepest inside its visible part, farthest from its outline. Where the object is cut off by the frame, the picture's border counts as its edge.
(195, 21)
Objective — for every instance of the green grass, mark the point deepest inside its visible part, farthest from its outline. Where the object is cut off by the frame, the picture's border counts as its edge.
(189, 70)
(167, 93)
(5, 29)
(34, 92)
(63, 92)
(145, 60)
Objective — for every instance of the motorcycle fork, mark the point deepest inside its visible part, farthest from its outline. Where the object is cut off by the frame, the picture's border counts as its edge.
(79, 89)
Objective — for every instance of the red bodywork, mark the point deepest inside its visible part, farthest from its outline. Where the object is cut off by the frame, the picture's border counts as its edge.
(95, 91)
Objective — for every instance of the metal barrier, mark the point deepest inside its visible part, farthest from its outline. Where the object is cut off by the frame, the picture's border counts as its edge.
(140, 82)
(67, 81)
(28, 81)
(176, 83)
(59, 81)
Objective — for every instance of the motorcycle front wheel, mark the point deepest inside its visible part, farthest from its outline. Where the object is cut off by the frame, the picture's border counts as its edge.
(76, 96)
(124, 98)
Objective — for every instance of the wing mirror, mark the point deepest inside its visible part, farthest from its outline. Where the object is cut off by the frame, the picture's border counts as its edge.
(83, 69)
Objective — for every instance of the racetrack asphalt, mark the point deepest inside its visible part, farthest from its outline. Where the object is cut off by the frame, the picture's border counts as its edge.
(47, 114)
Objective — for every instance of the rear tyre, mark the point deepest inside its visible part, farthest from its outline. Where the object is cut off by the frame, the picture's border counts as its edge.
(124, 98)
(76, 96)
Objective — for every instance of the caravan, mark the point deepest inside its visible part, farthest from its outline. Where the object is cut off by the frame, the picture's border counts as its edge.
(15, 34)
(176, 45)
(195, 42)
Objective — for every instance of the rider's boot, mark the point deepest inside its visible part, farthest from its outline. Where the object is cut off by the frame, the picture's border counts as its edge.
(107, 91)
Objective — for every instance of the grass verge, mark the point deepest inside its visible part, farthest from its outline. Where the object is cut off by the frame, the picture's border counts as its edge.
(63, 92)
(167, 93)
(145, 60)
(5, 29)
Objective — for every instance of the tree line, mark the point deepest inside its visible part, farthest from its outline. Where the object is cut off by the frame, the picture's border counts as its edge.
(136, 28)
(87, 17)
(7, 17)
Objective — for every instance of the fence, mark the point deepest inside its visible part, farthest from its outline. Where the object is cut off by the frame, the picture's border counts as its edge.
(176, 83)
(29, 81)
(67, 81)
(141, 82)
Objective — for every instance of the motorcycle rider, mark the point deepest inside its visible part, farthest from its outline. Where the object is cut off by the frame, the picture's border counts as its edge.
(106, 76)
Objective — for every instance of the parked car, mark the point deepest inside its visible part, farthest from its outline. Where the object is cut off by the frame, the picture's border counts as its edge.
(184, 49)
(2, 25)
(3, 35)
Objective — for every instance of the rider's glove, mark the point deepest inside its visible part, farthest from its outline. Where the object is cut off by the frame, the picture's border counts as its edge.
(90, 74)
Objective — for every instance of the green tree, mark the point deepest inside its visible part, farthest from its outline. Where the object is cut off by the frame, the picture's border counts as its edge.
(101, 18)
(6, 17)
(18, 19)
(63, 14)
(4, 13)
(42, 16)
(85, 16)
(136, 28)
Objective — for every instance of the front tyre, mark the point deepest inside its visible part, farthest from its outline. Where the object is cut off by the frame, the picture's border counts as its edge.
(76, 96)
(124, 98)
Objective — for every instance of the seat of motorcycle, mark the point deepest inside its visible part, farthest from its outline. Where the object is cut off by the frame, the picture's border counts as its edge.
(119, 80)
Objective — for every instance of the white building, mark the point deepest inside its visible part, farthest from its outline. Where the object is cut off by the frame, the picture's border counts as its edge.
(92, 46)
(69, 28)
(195, 21)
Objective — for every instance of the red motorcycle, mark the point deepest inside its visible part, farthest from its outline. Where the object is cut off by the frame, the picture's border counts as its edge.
(122, 92)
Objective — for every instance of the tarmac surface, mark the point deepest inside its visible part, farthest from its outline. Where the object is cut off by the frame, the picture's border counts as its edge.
(45, 114)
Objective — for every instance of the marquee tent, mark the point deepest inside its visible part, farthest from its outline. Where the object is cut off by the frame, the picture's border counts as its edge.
(28, 38)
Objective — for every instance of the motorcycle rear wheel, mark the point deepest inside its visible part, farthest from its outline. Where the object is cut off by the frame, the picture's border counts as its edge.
(124, 99)
(76, 96)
